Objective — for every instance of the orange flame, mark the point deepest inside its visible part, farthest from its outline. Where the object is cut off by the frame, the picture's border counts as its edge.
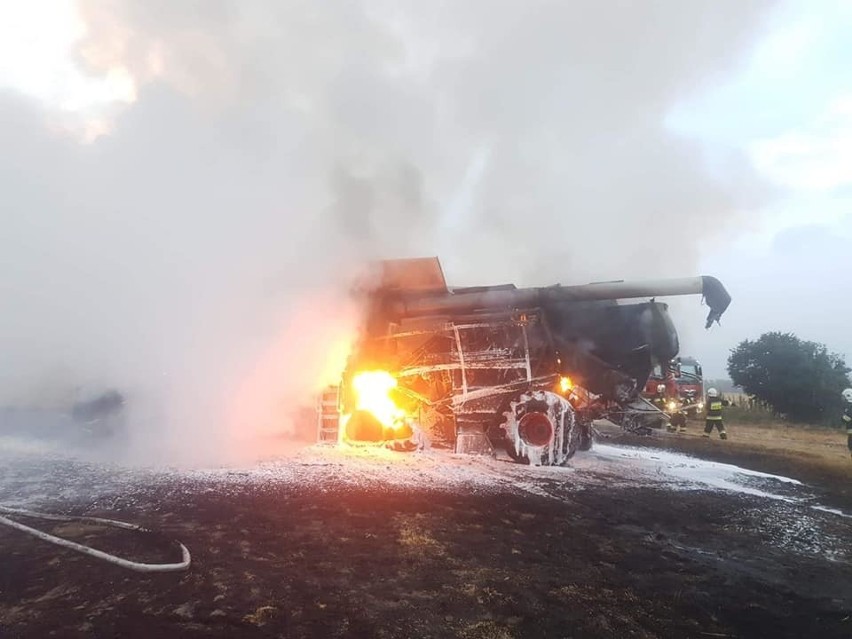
(565, 384)
(372, 390)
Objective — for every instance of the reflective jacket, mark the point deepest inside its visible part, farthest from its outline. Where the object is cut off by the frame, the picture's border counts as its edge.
(714, 409)
(847, 418)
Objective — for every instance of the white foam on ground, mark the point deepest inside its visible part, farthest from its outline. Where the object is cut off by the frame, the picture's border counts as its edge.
(30, 470)
(39, 476)
(685, 472)
(833, 511)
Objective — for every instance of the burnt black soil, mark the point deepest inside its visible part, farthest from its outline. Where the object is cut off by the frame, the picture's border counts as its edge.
(335, 562)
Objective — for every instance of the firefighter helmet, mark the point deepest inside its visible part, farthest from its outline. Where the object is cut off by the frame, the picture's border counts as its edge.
(661, 389)
(712, 393)
(847, 395)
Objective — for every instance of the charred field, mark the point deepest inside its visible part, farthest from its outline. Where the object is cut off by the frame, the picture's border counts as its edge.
(625, 542)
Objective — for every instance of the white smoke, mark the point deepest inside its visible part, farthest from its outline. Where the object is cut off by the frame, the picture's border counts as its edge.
(198, 254)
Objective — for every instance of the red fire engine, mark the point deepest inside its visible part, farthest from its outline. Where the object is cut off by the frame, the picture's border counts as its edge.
(684, 382)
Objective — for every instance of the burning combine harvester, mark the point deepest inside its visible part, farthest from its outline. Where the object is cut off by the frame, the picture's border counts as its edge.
(483, 368)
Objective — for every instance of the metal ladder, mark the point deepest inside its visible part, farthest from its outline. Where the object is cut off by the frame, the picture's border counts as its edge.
(328, 415)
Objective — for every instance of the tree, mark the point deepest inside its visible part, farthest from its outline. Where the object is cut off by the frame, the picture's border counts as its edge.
(799, 379)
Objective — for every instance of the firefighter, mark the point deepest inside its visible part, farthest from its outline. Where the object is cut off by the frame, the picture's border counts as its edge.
(847, 417)
(659, 403)
(714, 414)
(660, 397)
(677, 418)
(677, 421)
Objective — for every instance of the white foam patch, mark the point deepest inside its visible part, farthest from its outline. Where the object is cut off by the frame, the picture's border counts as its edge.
(685, 472)
(40, 476)
(33, 471)
(832, 511)
(31, 476)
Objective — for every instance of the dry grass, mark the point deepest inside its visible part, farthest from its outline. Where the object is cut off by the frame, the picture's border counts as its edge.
(828, 446)
(261, 616)
(415, 536)
(485, 630)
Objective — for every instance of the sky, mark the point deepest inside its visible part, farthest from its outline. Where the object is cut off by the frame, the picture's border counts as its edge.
(190, 186)
(789, 110)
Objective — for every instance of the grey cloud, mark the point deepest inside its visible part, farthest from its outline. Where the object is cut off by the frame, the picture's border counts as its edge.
(274, 144)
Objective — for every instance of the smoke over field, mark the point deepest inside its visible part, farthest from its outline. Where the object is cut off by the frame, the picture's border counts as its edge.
(192, 242)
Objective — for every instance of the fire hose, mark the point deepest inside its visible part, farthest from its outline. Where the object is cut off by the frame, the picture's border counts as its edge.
(86, 550)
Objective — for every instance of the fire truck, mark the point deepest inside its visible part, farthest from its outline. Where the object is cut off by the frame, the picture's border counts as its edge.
(683, 380)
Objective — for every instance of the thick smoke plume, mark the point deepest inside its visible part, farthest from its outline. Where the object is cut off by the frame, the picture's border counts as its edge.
(198, 254)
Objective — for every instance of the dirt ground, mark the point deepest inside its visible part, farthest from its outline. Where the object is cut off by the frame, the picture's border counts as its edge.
(330, 559)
